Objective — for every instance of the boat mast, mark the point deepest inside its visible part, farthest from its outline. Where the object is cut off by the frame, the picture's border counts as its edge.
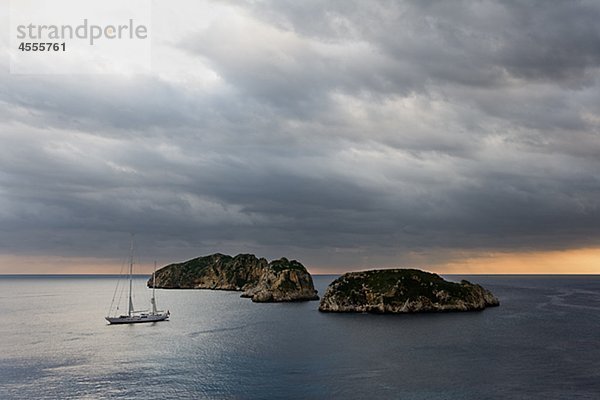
(154, 290)
(130, 306)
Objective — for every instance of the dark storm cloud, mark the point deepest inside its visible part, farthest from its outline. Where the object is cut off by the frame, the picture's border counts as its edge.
(458, 41)
(333, 128)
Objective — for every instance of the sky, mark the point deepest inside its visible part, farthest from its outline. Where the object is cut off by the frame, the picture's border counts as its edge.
(452, 136)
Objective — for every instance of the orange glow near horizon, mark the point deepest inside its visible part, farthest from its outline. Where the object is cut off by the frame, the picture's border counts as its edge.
(576, 261)
(14, 264)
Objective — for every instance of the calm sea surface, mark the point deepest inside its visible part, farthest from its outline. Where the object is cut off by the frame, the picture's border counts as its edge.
(543, 342)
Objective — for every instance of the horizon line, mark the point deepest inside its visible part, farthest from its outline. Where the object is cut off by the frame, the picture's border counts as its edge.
(321, 274)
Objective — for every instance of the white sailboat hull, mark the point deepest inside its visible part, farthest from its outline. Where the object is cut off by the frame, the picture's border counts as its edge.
(137, 319)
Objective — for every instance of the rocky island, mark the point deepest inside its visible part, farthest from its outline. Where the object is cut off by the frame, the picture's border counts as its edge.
(260, 280)
(402, 291)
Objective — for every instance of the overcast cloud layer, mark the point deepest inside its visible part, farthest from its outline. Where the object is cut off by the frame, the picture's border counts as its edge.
(341, 133)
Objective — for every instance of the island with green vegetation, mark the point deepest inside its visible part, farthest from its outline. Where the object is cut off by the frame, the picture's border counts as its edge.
(262, 281)
(402, 291)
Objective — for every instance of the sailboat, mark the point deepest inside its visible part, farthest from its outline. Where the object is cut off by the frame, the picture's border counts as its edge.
(133, 316)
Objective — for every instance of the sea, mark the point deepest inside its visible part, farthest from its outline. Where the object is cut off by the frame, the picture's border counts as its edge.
(543, 342)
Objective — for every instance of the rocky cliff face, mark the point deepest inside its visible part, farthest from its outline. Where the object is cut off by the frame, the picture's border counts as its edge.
(402, 291)
(279, 280)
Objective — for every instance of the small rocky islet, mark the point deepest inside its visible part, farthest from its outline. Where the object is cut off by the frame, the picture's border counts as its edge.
(276, 281)
(396, 291)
